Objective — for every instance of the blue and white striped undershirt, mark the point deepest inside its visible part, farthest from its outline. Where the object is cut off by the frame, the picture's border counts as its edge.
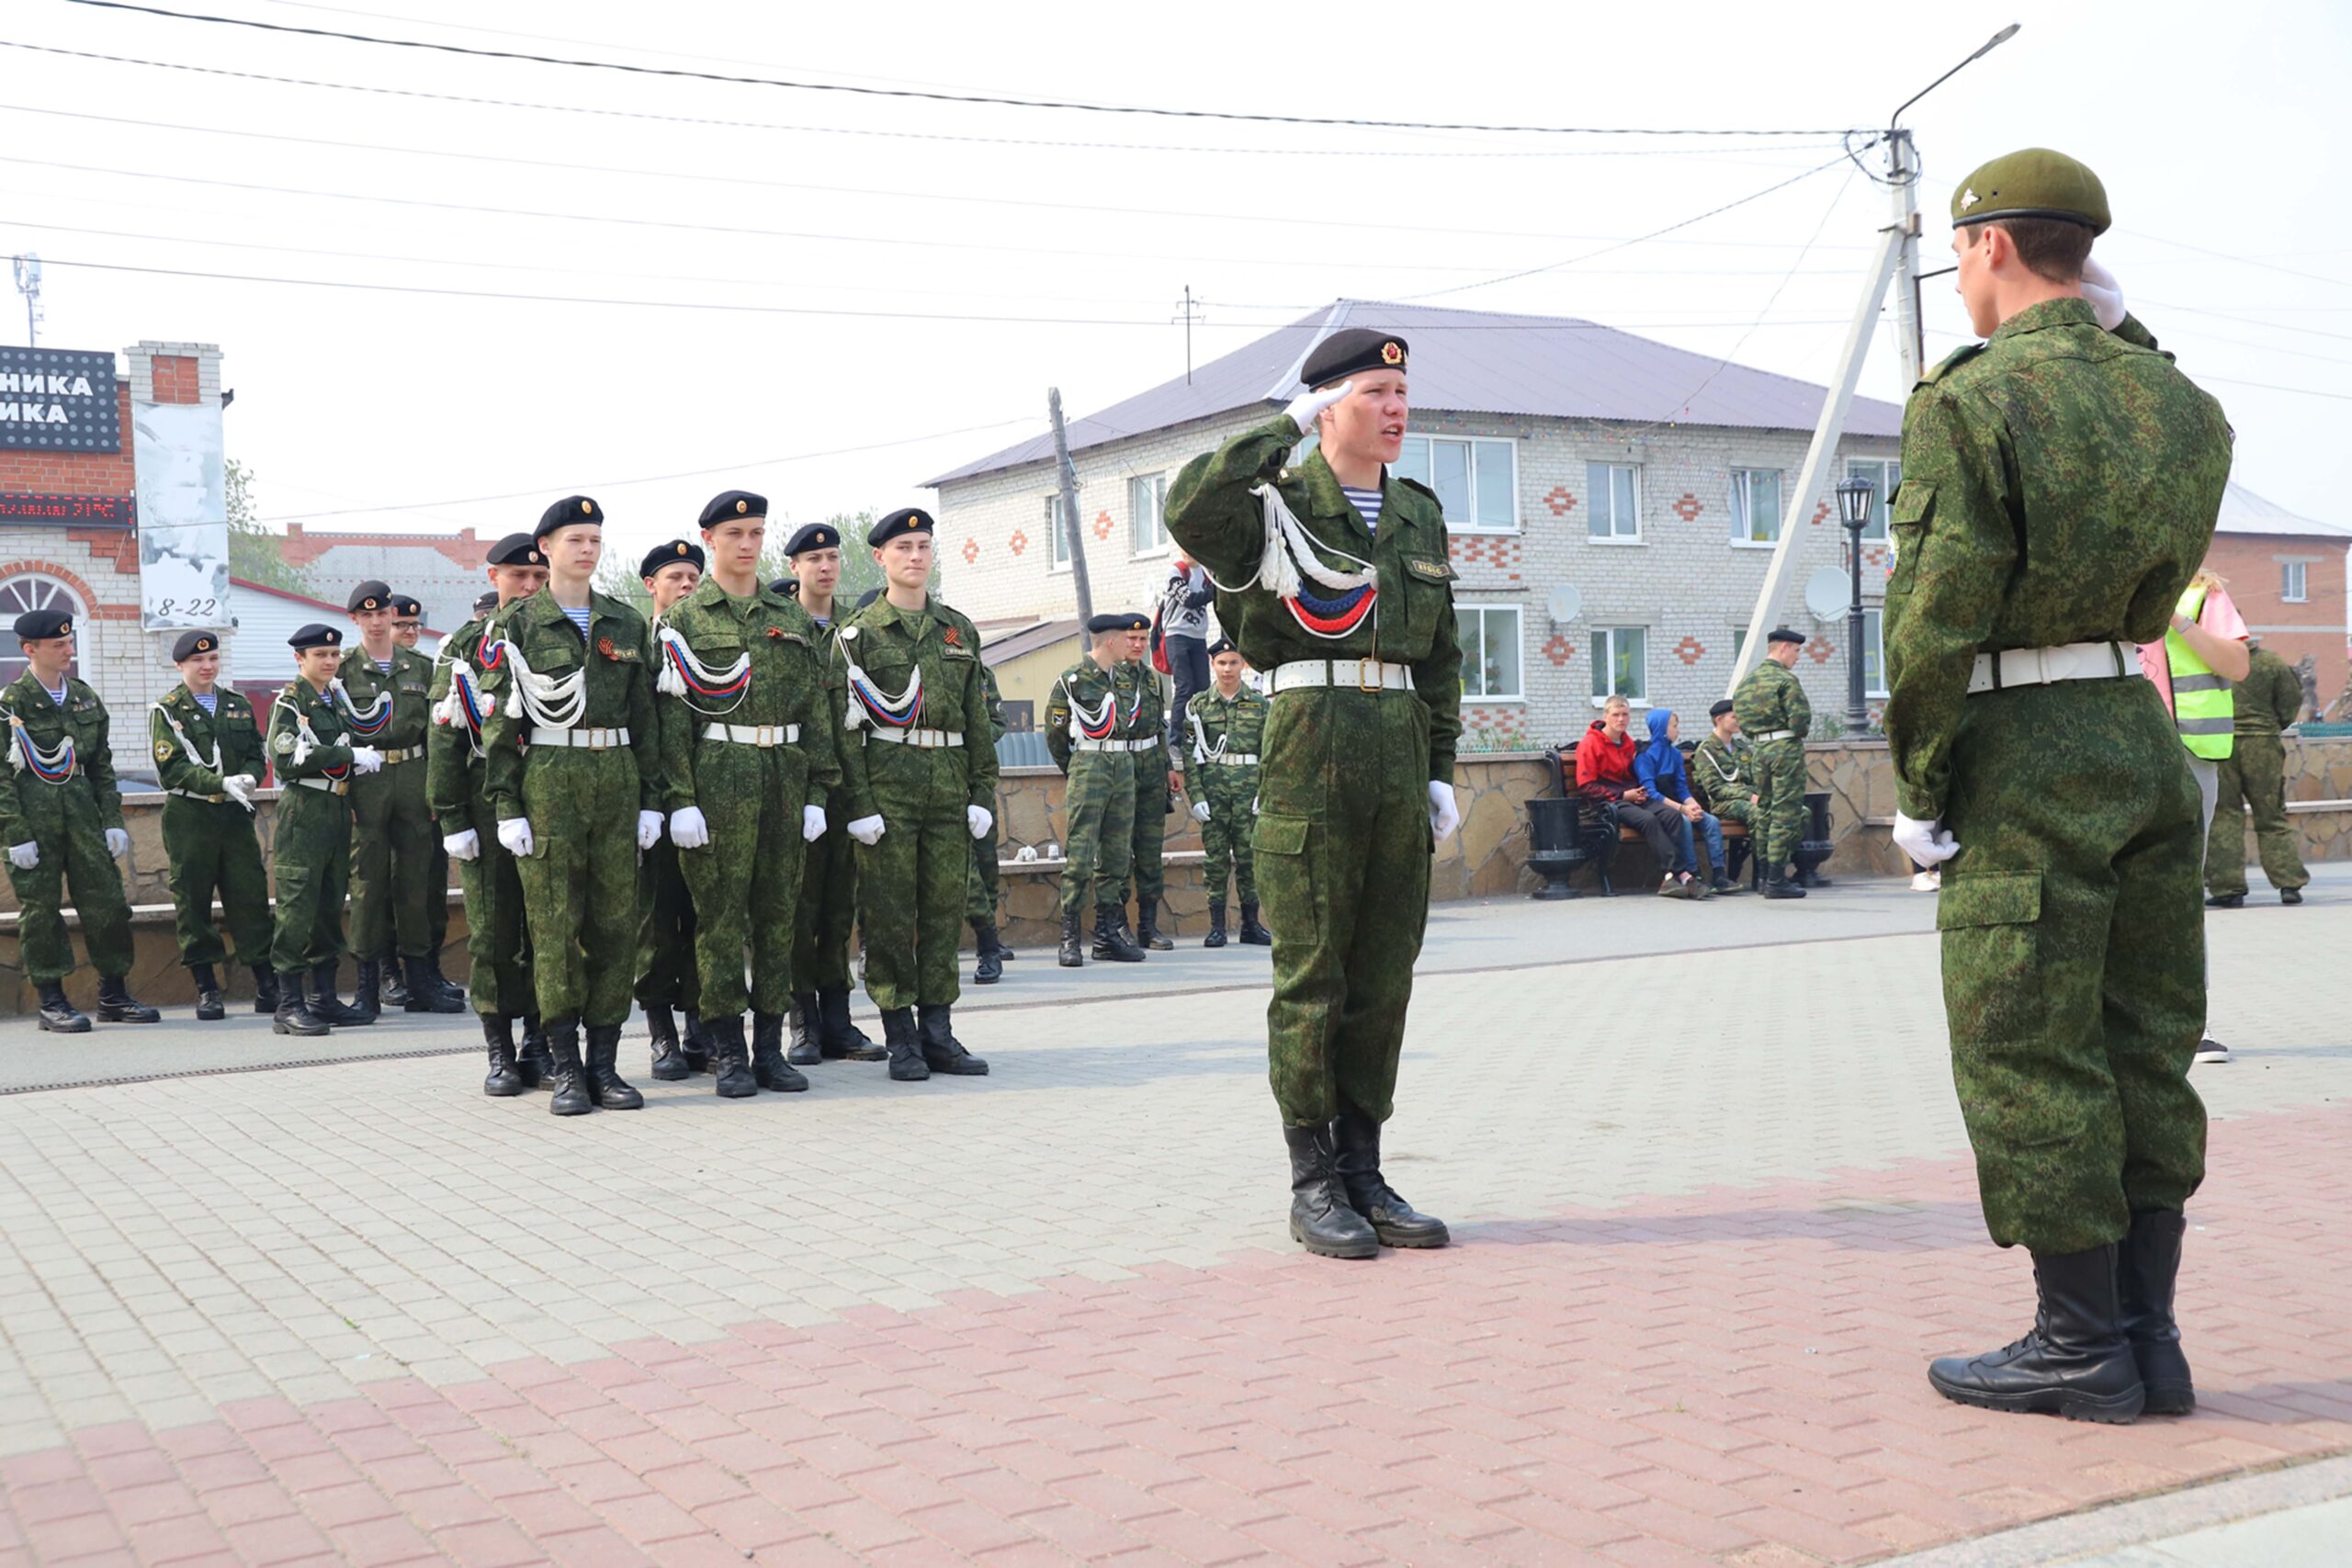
(208, 701)
(580, 618)
(1367, 501)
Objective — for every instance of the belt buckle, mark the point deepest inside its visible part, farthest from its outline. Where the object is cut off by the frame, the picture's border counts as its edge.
(764, 735)
(1372, 665)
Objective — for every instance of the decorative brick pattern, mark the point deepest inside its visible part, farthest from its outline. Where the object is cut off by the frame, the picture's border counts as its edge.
(1820, 514)
(1018, 542)
(1102, 524)
(1502, 554)
(1558, 651)
(1689, 650)
(1559, 501)
(971, 551)
(1820, 649)
(1689, 507)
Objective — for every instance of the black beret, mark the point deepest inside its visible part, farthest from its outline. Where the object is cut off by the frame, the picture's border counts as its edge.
(670, 554)
(517, 549)
(1343, 354)
(1135, 623)
(787, 586)
(194, 643)
(404, 605)
(733, 504)
(1723, 706)
(35, 624)
(1102, 625)
(868, 597)
(571, 509)
(484, 603)
(813, 536)
(1222, 644)
(315, 635)
(1783, 634)
(906, 520)
(369, 595)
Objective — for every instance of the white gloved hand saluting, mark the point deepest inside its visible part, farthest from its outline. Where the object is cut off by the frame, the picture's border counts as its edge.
(866, 829)
(687, 829)
(812, 823)
(1306, 405)
(462, 846)
(2106, 294)
(118, 842)
(1200, 811)
(1444, 815)
(515, 832)
(649, 830)
(367, 759)
(979, 820)
(24, 856)
(1928, 844)
(239, 787)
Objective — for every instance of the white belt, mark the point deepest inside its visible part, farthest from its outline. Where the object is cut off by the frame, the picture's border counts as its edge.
(1080, 743)
(402, 754)
(1149, 743)
(754, 734)
(2043, 666)
(332, 786)
(1237, 759)
(925, 737)
(587, 739)
(215, 799)
(1363, 674)
(1774, 735)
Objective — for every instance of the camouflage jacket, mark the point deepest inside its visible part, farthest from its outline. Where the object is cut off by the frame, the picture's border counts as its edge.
(1772, 698)
(1088, 685)
(2270, 697)
(188, 740)
(1218, 727)
(46, 726)
(411, 685)
(786, 682)
(890, 644)
(1719, 770)
(2060, 485)
(1139, 686)
(329, 753)
(454, 780)
(616, 653)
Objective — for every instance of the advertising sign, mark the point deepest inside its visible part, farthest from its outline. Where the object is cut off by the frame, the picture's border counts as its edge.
(183, 515)
(59, 400)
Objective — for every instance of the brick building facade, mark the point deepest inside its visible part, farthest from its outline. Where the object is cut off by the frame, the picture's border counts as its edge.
(2286, 576)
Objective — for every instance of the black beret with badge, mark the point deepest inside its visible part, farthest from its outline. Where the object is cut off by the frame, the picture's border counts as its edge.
(1132, 622)
(402, 605)
(2033, 182)
(193, 643)
(35, 624)
(812, 537)
(1222, 644)
(1783, 634)
(517, 549)
(563, 513)
(485, 602)
(369, 595)
(1723, 706)
(314, 635)
(906, 520)
(787, 586)
(730, 504)
(671, 554)
(1344, 353)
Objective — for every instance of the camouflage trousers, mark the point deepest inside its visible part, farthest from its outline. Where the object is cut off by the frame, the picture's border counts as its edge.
(1343, 851)
(1098, 807)
(214, 853)
(913, 884)
(1780, 778)
(391, 861)
(828, 905)
(2253, 779)
(1150, 837)
(497, 942)
(580, 882)
(746, 881)
(2074, 959)
(666, 974)
(63, 820)
(309, 860)
(1231, 792)
(985, 896)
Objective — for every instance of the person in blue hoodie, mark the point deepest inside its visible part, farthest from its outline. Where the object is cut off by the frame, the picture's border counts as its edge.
(1663, 773)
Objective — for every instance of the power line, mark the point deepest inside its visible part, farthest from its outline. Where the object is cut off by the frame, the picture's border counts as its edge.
(2242, 261)
(2201, 377)
(931, 95)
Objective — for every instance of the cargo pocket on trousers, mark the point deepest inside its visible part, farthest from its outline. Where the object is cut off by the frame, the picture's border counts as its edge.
(1993, 980)
(1286, 873)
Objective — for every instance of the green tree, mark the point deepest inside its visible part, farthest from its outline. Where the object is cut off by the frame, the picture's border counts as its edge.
(256, 554)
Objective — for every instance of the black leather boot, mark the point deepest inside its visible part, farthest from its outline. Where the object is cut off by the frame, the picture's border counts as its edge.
(1004, 954)
(2145, 1268)
(801, 1020)
(441, 983)
(534, 1062)
(942, 1051)
(293, 1015)
(907, 1065)
(367, 993)
(208, 1005)
(989, 968)
(1252, 933)
(59, 1016)
(1320, 1220)
(391, 990)
(1216, 924)
(768, 1067)
(424, 996)
(1147, 933)
(2076, 1360)
(324, 1005)
(731, 1059)
(265, 988)
(1073, 956)
(498, 1034)
(695, 1041)
(1355, 1142)
(1110, 935)
(838, 1038)
(1780, 884)
(117, 1005)
(570, 1078)
(662, 1034)
(605, 1070)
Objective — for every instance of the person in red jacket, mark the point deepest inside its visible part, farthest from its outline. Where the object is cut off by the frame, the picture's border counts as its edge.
(1605, 776)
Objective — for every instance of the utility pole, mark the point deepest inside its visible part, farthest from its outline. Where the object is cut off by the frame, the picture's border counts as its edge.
(1068, 476)
(1903, 178)
(28, 268)
(1188, 318)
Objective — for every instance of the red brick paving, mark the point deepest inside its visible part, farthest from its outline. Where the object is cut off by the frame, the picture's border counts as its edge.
(1732, 1377)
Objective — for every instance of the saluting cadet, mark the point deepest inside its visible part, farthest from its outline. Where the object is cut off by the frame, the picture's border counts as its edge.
(309, 847)
(921, 783)
(2060, 484)
(1219, 737)
(1335, 581)
(666, 976)
(989, 949)
(575, 786)
(1087, 732)
(748, 762)
(61, 817)
(1772, 706)
(1156, 779)
(209, 759)
(408, 630)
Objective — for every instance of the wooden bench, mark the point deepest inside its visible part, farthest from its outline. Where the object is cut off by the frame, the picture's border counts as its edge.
(1598, 847)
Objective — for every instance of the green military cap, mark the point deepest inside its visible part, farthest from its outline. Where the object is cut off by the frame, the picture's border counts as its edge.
(2033, 183)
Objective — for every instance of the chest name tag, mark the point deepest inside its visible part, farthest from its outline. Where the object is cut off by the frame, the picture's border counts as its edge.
(1434, 571)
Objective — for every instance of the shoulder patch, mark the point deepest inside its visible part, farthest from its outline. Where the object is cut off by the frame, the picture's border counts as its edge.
(1429, 568)
(1951, 362)
(162, 750)
(286, 740)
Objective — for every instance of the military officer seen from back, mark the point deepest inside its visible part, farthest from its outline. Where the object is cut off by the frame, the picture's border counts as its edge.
(1157, 780)
(2253, 782)
(2060, 486)
(311, 747)
(209, 760)
(667, 982)
(1772, 710)
(1333, 579)
(920, 777)
(1219, 736)
(61, 819)
(1089, 725)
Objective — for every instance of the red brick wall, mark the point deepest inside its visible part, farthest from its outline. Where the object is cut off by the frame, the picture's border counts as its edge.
(303, 547)
(2249, 562)
(81, 473)
(176, 380)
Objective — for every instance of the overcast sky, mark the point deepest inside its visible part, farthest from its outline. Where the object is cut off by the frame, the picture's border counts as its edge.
(912, 274)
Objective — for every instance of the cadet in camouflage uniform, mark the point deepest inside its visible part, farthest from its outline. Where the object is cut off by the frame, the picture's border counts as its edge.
(1155, 780)
(988, 949)
(668, 977)
(1223, 729)
(1723, 775)
(575, 784)
(747, 764)
(61, 819)
(209, 761)
(1088, 733)
(2060, 486)
(1771, 708)
(922, 785)
(310, 848)
(2253, 778)
(408, 629)
(1356, 633)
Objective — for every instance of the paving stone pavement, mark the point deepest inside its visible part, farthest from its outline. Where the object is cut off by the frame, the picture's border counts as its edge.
(1711, 1194)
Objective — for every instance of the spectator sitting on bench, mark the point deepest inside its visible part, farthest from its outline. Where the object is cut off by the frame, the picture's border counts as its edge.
(1662, 773)
(1605, 776)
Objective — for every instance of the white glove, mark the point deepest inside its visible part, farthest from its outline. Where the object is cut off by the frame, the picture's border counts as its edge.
(2106, 294)
(25, 856)
(462, 846)
(979, 820)
(239, 787)
(1306, 405)
(118, 842)
(367, 759)
(687, 829)
(515, 832)
(812, 823)
(1444, 815)
(1200, 811)
(1929, 843)
(649, 830)
(865, 830)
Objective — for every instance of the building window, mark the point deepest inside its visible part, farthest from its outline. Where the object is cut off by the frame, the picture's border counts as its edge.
(1620, 663)
(1613, 498)
(1489, 649)
(1477, 480)
(1755, 505)
(1738, 642)
(1056, 531)
(1873, 653)
(1885, 475)
(2295, 586)
(30, 590)
(1148, 505)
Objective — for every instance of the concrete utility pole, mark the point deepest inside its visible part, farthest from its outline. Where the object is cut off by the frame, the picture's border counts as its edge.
(1069, 475)
(1902, 180)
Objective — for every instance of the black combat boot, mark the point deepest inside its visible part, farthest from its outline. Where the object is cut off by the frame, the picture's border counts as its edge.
(1780, 884)
(293, 1014)
(1072, 955)
(59, 1016)
(1147, 927)
(605, 1069)
(442, 983)
(498, 1034)
(769, 1068)
(1110, 938)
(1216, 924)
(2145, 1268)
(1252, 933)
(324, 1006)
(569, 1078)
(801, 1019)
(208, 1005)
(424, 996)
(2075, 1361)
(367, 993)
(907, 1065)
(392, 991)
(942, 1051)
(990, 966)
(695, 1041)
(1355, 1141)
(840, 1039)
(1320, 1220)
(534, 1062)
(668, 1057)
(731, 1059)
(265, 988)
(117, 1005)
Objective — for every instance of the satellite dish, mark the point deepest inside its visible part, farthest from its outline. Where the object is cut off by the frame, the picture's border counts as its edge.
(1826, 595)
(1566, 603)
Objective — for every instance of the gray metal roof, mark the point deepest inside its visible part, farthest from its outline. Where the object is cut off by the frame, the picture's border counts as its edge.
(1475, 362)
(2242, 511)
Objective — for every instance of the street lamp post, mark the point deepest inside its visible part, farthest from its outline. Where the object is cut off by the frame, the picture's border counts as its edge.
(1855, 497)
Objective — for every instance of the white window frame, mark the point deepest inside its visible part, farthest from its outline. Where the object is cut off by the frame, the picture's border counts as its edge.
(1056, 537)
(1604, 656)
(1471, 525)
(1518, 641)
(1875, 637)
(1613, 539)
(39, 590)
(1157, 486)
(1887, 477)
(1740, 477)
(2294, 583)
